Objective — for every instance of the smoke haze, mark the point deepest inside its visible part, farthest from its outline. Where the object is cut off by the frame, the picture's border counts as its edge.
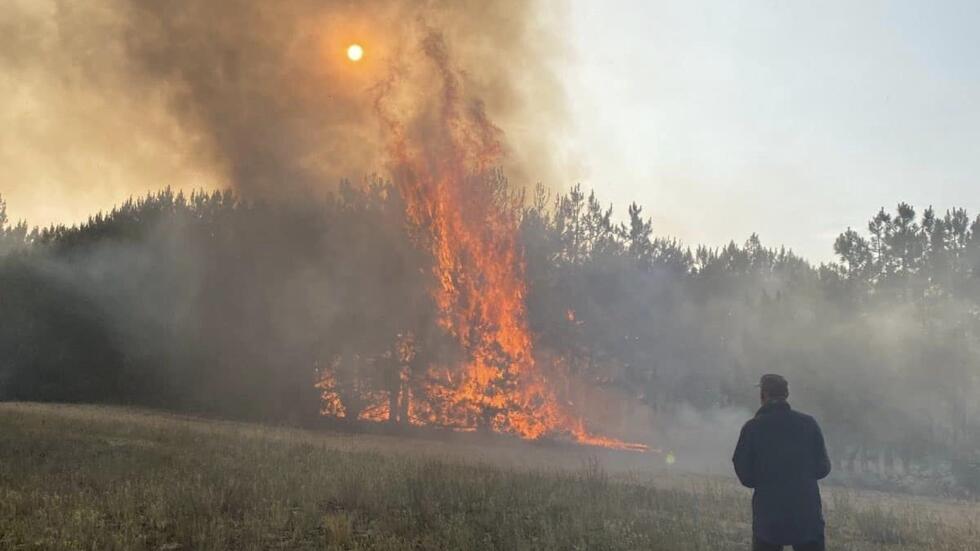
(222, 305)
(111, 98)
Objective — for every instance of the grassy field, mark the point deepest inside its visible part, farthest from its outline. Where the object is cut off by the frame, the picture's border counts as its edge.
(86, 477)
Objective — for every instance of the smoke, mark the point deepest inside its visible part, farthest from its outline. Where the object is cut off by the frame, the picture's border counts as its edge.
(77, 133)
(702, 440)
(108, 98)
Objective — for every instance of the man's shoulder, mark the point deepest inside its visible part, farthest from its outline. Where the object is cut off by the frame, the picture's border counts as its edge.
(798, 416)
(753, 421)
(804, 418)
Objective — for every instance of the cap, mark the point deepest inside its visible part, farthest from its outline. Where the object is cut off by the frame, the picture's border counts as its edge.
(774, 385)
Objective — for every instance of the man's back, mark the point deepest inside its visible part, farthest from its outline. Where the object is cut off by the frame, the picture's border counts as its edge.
(781, 454)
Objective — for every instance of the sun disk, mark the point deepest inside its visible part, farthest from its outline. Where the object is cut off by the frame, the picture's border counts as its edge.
(355, 52)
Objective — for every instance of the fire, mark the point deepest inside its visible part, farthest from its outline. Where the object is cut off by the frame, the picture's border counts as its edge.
(459, 207)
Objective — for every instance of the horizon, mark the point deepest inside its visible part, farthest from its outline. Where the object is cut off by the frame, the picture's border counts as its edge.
(703, 115)
(790, 120)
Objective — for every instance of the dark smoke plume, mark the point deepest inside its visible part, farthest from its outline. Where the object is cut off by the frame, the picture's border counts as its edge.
(112, 97)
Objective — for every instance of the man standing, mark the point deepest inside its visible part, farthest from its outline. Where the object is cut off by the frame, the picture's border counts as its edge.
(781, 455)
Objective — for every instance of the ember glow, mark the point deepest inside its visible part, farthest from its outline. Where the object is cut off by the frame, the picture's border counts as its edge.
(461, 210)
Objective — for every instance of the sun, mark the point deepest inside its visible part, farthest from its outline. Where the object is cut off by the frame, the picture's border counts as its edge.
(355, 52)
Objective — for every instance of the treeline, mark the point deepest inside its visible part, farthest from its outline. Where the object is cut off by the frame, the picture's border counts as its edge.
(883, 346)
(205, 303)
(212, 304)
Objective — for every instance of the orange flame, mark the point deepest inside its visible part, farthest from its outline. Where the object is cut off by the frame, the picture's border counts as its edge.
(460, 208)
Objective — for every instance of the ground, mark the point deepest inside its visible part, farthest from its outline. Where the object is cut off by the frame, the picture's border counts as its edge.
(92, 477)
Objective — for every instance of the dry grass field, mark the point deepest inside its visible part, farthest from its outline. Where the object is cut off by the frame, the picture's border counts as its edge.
(94, 478)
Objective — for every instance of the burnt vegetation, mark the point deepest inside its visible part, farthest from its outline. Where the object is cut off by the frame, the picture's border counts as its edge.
(215, 305)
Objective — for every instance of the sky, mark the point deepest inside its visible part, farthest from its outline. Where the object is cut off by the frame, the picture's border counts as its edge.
(794, 120)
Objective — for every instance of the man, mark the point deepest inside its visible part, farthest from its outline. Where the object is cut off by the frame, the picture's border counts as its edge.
(781, 455)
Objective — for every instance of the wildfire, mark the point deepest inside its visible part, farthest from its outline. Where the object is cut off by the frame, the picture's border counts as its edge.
(459, 207)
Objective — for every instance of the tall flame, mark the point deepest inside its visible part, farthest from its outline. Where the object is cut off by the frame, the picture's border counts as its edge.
(459, 206)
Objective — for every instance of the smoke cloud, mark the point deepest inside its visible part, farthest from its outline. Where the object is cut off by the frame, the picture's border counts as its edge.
(109, 98)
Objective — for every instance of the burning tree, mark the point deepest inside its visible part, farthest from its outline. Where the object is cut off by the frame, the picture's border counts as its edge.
(443, 160)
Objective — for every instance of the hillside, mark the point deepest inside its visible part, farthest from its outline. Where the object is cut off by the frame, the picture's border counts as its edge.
(88, 477)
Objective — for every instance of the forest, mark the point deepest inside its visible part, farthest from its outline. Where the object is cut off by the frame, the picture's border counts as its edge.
(212, 304)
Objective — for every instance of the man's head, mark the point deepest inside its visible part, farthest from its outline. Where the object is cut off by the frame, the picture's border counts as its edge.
(773, 387)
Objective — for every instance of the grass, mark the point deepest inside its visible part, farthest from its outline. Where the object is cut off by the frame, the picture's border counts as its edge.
(87, 477)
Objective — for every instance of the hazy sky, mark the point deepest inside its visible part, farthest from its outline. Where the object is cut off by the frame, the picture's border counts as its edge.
(790, 119)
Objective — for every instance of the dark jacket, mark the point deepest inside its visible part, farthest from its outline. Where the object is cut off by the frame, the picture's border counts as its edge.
(781, 454)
